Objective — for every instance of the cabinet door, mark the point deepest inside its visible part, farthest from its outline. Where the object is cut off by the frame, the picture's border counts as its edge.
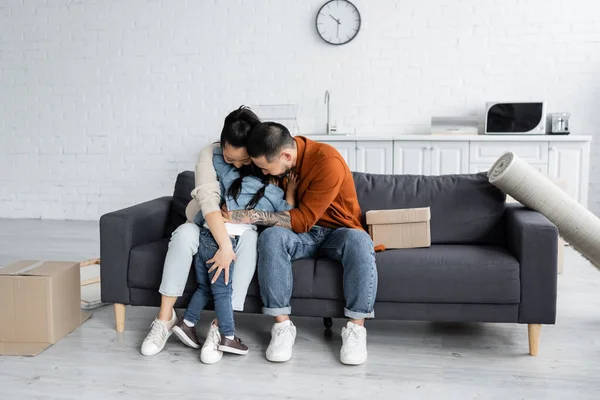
(449, 158)
(412, 157)
(488, 152)
(374, 157)
(477, 168)
(348, 151)
(568, 163)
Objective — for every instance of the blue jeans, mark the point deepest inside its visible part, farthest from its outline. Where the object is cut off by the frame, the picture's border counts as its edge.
(220, 293)
(353, 248)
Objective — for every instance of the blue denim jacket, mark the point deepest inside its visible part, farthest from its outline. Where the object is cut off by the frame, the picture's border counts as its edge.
(272, 201)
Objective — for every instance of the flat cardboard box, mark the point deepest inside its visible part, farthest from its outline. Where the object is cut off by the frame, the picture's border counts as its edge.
(39, 304)
(400, 228)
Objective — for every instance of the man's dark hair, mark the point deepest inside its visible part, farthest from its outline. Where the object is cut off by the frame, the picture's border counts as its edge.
(269, 139)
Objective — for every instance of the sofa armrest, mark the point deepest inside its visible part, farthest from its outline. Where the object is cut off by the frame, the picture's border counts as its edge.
(121, 231)
(533, 240)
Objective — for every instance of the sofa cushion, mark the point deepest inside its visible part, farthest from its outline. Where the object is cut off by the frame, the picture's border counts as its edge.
(147, 261)
(465, 209)
(439, 274)
(146, 265)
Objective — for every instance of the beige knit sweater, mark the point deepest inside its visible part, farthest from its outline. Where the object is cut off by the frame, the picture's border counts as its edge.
(206, 195)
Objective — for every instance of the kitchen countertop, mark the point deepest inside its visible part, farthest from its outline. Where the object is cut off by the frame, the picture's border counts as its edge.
(442, 138)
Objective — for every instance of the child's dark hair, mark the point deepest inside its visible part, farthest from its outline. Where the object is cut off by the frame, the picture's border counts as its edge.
(249, 170)
(236, 132)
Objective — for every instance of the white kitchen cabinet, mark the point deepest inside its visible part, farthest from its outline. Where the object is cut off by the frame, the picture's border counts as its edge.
(348, 151)
(564, 158)
(412, 158)
(431, 158)
(477, 168)
(489, 152)
(568, 162)
(448, 158)
(375, 157)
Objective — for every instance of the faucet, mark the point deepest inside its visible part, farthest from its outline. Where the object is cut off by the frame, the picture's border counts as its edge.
(328, 129)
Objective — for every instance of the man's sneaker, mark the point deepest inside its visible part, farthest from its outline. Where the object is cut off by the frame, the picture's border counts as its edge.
(234, 346)
(282, 342)
(354, 344)
(157, 338)
(210, 353)
(187, 334)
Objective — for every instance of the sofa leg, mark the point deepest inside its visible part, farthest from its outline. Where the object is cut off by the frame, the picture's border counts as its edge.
(120, 317)
(328, 322)
(534, 338)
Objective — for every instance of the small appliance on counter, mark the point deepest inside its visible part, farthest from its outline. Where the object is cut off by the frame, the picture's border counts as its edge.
(559, 124)
(515, 118)
(454, 125)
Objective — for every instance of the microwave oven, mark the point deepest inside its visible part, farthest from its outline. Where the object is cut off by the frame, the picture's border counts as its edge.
(519, 118)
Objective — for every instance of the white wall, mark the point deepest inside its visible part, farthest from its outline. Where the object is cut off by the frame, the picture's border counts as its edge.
(103, 102)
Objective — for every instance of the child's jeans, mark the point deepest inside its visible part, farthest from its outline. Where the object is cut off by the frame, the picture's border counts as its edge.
(220, 293)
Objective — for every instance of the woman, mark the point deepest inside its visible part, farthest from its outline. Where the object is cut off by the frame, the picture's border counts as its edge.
(184, 243)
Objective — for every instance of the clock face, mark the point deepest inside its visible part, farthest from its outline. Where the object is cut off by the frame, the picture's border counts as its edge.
(338, 22)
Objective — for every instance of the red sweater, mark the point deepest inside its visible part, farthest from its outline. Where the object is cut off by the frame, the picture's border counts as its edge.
(326, 194)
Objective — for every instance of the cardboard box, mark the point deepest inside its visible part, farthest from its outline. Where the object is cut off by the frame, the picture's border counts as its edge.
(39, 304)
(401, 228)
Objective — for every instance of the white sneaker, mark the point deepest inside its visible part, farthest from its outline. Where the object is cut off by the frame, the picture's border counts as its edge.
(157, 338)
(354, 344)
(210, 352)
(282, 342)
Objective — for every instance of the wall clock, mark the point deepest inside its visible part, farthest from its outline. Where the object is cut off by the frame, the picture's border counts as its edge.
(338, 22)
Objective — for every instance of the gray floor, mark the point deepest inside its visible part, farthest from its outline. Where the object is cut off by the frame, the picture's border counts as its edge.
(417, 360)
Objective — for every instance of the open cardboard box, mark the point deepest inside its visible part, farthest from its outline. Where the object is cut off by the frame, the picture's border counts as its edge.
(39, 304)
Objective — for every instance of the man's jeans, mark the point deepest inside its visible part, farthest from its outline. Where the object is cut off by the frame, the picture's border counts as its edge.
(353, 248)
(220, 293)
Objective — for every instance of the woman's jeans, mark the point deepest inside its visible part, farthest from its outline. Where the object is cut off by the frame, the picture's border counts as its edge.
(183, 246)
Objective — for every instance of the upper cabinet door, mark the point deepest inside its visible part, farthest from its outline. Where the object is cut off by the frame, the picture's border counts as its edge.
(568, 163)
(448, 158)
(412, 157)
(375, 157)
(348, 151)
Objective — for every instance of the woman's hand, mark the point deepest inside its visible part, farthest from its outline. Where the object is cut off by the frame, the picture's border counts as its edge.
(221, 262)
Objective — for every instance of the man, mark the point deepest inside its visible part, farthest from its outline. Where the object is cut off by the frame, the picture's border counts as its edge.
(326, 222)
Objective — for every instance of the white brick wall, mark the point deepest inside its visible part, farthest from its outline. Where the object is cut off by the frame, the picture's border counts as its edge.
(103, 102)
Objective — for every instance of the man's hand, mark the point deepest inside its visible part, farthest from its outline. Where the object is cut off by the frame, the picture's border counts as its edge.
(262, 218)
(221, 262)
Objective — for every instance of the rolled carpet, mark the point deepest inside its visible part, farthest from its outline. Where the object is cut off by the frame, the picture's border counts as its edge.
(575, 223)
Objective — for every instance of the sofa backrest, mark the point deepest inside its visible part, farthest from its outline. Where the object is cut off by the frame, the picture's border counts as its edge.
(182, 194)
(464, 208)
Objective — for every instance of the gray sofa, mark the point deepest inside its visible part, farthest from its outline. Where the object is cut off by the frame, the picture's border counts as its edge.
(489, 261)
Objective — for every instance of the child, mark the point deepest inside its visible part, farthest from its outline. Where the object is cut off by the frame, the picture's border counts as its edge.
(240, 191)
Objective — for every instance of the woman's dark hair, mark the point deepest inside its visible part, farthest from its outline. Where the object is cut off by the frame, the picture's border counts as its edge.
(237, 127)
(236, 131)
